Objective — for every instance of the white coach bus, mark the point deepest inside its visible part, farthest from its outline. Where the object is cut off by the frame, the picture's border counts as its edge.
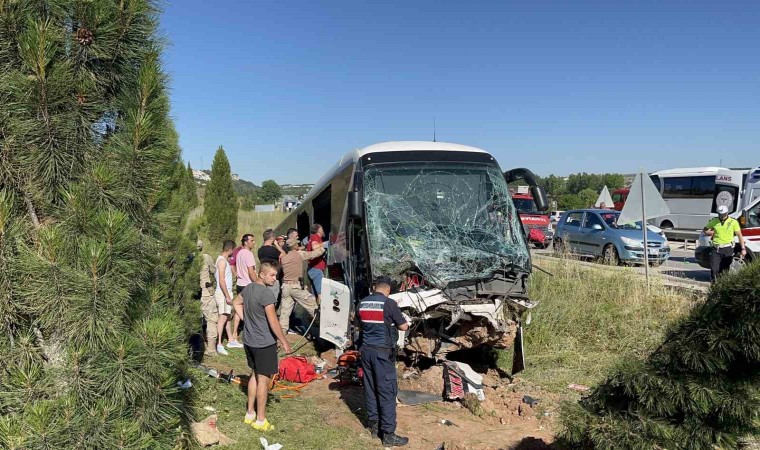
(693, 194)
(438, 219)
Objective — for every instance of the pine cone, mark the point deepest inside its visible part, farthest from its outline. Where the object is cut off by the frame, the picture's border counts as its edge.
(84, 36)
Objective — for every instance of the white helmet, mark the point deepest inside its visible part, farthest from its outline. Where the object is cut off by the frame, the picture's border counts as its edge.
(722, 209)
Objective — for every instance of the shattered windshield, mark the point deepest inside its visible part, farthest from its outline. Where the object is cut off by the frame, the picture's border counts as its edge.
(451, 221)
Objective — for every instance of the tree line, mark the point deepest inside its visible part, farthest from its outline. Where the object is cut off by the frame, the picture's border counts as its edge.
(579, 190)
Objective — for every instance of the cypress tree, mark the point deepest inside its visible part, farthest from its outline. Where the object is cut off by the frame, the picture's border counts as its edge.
(700, 389)
(92, 257)
(189, 188)
(220, 202)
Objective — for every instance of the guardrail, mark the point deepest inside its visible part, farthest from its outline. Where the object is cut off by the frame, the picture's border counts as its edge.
(682, 235)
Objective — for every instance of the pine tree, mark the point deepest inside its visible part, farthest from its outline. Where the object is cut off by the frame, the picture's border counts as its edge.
(92, 258)
(189, 189)
(221, 203)
(699, 390)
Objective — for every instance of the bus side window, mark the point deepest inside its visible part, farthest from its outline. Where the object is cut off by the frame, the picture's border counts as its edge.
(656, 180)
(753, 217)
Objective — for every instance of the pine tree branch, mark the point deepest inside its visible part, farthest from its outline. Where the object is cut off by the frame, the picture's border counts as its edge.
(32, 211)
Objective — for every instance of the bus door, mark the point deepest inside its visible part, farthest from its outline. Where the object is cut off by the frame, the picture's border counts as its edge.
(752, 187)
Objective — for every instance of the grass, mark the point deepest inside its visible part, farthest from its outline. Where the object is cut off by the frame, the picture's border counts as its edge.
(248, 222)
(300, 422)
(590, 318)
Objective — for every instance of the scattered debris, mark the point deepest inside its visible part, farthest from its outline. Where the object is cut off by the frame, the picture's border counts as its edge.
(187, 384)
(459, 379)
(417, 397)
(578, 387)
(207, 434)
(530, 401)
(267, 446)
(448, 423)
(209, 408)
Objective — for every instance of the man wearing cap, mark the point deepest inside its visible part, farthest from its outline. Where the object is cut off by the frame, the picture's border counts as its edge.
(381, 319)
(722, 229)
(293, 289)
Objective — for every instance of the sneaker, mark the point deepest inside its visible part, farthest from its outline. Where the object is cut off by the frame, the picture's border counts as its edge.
(234, 344)
(249, 418)
(292, 331)
(373, 428)
(264, 426)
(394, 440)
(220, 349)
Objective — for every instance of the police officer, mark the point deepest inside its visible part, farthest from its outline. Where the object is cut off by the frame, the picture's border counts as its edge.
(381, 319)
(722, 229)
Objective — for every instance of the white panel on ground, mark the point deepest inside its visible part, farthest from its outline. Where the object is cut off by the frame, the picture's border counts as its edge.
(334, 310)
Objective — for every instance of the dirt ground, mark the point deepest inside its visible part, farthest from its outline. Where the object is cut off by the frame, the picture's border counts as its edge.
(502, 421)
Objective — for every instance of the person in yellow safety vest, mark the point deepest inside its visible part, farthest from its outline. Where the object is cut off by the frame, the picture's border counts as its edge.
(722, 229)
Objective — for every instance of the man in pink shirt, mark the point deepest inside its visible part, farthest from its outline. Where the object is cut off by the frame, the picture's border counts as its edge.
(245, 269)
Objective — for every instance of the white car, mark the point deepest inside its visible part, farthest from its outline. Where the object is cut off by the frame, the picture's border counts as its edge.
(554, 216)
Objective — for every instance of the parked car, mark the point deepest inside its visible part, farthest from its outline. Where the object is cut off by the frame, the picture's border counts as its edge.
(554, 216)
(749, 220)
(595, 233)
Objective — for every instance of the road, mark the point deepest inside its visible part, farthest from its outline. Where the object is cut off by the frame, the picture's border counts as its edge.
(681, 264)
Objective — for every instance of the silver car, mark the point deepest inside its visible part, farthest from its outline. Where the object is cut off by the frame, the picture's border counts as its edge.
(595, 233)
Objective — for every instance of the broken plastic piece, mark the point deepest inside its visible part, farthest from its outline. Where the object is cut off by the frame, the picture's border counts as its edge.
(528, 400)
(268, 446)
(417, 398)
(448, 423)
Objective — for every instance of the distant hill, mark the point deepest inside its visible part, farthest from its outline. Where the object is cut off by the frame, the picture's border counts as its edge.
(242, 187)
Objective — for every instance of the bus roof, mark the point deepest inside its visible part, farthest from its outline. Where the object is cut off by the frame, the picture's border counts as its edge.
(391, 146)
(691, 171)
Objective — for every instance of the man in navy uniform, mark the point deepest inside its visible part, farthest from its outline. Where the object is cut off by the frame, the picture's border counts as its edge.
(381, 319)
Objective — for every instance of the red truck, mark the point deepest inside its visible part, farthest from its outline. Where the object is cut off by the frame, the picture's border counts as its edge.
(619, 197)
(537, 226)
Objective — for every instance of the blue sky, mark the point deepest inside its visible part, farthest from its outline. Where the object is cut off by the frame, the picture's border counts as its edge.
(558, 87)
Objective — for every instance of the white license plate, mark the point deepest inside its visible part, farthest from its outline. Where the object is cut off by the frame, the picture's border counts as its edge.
(654, 251)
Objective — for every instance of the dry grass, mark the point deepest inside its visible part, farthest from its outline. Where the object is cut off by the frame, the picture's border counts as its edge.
(248, 222)
(256, 222)
(589, 318)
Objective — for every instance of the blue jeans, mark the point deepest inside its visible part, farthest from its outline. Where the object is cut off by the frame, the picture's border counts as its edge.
(316, 279)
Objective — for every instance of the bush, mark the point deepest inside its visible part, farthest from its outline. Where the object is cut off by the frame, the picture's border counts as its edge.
(699, 389)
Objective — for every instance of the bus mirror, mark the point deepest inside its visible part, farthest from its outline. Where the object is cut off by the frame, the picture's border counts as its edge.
(539, 196)
(355, 210)
(743, 220)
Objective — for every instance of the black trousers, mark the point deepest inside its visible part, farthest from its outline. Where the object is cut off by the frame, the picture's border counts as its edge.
(380, 387)
(720, 261)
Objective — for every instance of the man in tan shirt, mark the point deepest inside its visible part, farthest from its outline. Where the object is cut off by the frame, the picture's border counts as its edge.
(208, 304)
(293, 289)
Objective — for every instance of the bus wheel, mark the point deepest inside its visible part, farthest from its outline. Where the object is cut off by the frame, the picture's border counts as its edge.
(610, 255)
(667, 225)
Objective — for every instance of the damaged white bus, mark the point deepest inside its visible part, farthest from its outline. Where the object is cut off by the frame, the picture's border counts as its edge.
(439, 220)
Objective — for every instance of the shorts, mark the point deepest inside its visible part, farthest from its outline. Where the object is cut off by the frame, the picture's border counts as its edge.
(263, 361)
(316, 280)
(221, 303)
(239, 289)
